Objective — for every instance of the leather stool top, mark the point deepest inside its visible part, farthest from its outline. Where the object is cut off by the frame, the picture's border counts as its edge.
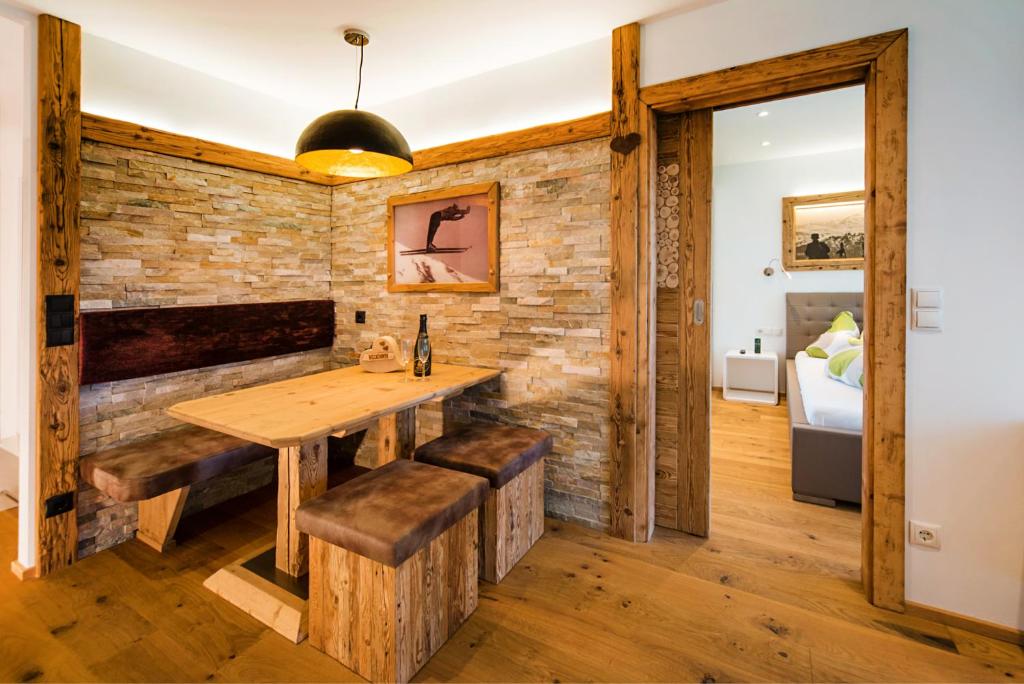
(495, 451)
(392, 512)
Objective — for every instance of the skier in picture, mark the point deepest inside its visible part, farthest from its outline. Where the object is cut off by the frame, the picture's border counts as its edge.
(452, 213)
(816, 249)
(841, 251)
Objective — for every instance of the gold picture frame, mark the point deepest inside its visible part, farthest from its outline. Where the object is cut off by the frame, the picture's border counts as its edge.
(823, 232)
(456, 262)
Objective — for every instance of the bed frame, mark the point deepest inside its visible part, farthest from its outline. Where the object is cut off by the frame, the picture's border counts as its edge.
(826, 461)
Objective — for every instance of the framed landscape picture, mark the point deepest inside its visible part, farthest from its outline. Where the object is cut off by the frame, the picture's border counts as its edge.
(823, 232)
(444, 240)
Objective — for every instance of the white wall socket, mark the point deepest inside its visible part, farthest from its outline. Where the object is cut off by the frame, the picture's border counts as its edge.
(925, 534)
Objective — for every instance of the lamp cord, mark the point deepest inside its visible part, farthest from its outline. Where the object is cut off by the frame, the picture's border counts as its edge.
(359, 83)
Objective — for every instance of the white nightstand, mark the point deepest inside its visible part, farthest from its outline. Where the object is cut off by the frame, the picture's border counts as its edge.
(751, 377)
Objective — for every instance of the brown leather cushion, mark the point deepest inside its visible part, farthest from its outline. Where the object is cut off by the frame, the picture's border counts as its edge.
(167, 461)
(392, 512)
(497, 452)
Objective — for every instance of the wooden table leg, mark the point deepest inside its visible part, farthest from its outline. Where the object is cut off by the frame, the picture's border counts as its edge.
(396, 436)
(302, 475)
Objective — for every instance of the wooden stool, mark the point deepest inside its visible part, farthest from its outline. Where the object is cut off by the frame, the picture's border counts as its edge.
(512, 459)
(392, 566)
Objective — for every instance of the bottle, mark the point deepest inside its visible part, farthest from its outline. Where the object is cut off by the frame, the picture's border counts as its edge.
(757, 345)
(422, 369)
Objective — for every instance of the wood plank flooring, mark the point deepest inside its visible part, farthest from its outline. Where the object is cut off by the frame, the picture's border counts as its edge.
(773, 595)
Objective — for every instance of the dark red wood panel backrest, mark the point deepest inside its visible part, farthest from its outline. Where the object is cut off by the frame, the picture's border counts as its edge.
(117, 344)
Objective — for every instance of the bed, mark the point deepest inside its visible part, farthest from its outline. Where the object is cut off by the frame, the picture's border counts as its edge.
(825, 416)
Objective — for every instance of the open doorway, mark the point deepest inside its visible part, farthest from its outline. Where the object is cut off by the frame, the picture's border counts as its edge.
(787, 323)
(787, 244)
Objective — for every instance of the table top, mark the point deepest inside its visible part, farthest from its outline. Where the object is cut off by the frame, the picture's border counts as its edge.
(290, 412)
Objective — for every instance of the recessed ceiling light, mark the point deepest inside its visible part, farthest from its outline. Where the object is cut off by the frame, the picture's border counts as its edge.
(761, 114)
(766, 143)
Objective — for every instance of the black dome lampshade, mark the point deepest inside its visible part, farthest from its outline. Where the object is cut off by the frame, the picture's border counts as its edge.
(352, 142)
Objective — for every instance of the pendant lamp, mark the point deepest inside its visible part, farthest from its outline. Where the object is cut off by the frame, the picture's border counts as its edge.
(352, 142)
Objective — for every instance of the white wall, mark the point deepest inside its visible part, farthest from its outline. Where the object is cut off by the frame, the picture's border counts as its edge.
(17, 262)
(178, 99)
(747, 232)
(965, 419)
(561, 86)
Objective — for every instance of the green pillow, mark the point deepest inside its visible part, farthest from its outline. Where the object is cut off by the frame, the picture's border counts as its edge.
(844, 321)
(848, 367)
(836, 338)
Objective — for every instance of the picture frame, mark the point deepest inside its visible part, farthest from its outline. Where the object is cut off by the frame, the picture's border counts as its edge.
(444, 240)
(823, 232)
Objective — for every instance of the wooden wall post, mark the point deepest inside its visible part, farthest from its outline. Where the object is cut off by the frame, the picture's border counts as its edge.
(60, 165)
(632, 293)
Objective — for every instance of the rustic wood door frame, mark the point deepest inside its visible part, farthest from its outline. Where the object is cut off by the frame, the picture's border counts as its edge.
(879, 63)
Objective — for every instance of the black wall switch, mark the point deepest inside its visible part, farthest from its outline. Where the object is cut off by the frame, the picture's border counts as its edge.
(60, 320)
(60, 503)
(360, 316)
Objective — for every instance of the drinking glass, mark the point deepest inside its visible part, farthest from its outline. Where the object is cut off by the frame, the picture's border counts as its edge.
(407, 360)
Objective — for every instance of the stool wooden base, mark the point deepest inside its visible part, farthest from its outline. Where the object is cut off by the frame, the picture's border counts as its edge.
(385, 623)
(512, 522)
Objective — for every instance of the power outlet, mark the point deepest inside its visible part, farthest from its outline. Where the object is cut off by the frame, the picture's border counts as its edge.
(925, 534)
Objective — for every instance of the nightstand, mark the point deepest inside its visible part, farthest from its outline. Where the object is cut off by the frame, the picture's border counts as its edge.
(750, 377)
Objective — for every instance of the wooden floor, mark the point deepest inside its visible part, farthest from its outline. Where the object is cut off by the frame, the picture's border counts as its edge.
(771, 596)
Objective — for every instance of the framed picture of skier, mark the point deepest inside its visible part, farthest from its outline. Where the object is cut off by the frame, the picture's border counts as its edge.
(444, 240)
(823, 232)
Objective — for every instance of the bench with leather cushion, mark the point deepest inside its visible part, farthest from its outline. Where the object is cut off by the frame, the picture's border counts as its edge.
(157, 471)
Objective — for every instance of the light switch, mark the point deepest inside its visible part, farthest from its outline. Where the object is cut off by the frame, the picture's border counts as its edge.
(927, 299)
(928, 319)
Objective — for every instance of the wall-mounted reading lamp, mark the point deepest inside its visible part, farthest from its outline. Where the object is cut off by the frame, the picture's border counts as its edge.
(769, 271)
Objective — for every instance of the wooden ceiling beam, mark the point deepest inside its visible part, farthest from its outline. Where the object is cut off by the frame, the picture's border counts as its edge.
(103, 129)
(537, 137)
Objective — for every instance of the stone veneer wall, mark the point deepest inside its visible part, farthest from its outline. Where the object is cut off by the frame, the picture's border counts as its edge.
(163, 231)
(547, 327)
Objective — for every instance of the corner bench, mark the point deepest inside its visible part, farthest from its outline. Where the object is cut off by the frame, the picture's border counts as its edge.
(158, 471)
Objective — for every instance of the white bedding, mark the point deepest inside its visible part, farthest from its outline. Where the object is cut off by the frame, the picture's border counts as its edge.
(827, 402)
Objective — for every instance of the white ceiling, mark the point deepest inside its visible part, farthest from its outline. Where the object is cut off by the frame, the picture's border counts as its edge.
(293, 50)
(811, 124)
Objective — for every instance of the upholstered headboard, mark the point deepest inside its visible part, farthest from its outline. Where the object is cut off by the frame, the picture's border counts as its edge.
(808, 314)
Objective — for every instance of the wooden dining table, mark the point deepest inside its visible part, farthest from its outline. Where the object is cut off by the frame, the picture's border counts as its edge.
(297, 416)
